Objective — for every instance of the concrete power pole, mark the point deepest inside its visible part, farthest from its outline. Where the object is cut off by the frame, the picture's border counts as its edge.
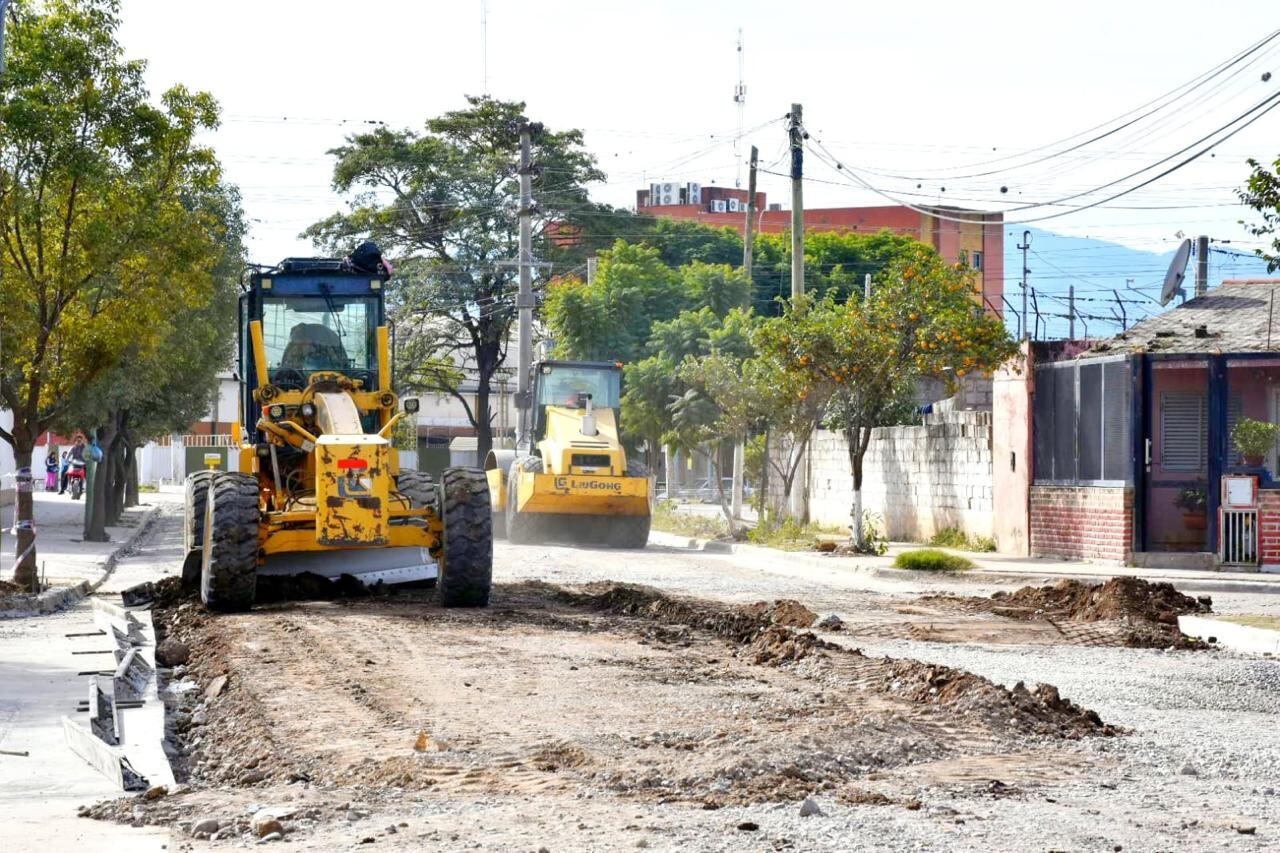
(1202, 264)
(748, 247)
(1024, 246)
(524, 297)
(795, 133)
(1071, 312)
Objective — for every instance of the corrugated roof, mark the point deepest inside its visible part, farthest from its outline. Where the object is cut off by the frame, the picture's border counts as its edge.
(1239, 316)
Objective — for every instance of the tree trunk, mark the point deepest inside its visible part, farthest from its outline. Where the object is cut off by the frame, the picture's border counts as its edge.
(115, 497)
(131, 475)
(95, 522)
(857, 444)
(762, 500)
(669, 472)
(24, 574)
(484, 427)
(716, 469)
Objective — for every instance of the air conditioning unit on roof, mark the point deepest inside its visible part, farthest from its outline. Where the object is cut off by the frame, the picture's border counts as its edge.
(733, 205)
(693, 194)
(717, 206)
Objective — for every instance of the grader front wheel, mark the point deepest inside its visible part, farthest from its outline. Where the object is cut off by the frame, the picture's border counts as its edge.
(229, 558)
(466, 576)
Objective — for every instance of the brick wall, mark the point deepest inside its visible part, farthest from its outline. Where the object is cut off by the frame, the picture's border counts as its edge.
(918, 479)
(1269, 528)
(1082, 522)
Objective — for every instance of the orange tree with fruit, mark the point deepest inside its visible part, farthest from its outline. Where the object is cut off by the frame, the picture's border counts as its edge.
(866, 358)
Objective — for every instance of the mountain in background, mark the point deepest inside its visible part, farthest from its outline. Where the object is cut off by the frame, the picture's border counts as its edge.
(1114, 284)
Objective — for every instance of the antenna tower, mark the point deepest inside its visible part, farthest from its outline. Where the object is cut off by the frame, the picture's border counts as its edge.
(739, 98)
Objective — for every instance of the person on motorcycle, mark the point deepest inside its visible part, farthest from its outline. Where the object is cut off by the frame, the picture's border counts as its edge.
(75, 462)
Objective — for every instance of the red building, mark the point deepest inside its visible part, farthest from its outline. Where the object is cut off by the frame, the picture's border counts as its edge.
(979, 244)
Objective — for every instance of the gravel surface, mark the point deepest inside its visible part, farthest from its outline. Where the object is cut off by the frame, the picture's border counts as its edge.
(1198, 769)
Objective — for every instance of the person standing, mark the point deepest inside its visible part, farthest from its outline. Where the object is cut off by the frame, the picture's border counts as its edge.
(62, 471)
(51, 470)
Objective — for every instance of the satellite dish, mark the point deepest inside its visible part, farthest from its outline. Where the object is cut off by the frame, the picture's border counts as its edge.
(1177, 272)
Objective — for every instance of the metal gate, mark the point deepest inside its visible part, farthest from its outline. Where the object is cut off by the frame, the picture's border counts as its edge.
(1238, 539)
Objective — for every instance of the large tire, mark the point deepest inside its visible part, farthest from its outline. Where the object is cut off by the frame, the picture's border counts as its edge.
(229, 563)
(466, 573)
(197, 490)
(418, 487)
(523, 528)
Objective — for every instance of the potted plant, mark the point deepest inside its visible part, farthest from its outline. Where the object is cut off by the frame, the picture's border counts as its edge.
(1254, 439)
(1192, 502)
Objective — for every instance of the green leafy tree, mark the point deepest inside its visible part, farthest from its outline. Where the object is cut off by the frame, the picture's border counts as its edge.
(682, 242)
(866, 359)
(610, 318)
(836, 262)
(1262, 193)
(98, 242)
(162, 388)
(444, 203)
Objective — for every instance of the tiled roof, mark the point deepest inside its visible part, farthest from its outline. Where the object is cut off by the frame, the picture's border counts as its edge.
(1239, 316)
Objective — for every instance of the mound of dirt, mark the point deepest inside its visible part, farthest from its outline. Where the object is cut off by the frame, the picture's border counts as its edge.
(759, 638)
(1118, 598)
(785, 611)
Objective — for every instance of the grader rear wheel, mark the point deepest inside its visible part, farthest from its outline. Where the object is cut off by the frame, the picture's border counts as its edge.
(466, 575)
(229, 559)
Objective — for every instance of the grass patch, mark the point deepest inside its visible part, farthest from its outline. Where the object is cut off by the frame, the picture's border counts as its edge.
(668, 518)
(930, 560)
(790, 535)
(954, 537)
(1270, 622)
(147, 488)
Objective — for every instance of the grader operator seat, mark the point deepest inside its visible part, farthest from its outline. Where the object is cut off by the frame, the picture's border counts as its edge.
(313, 347)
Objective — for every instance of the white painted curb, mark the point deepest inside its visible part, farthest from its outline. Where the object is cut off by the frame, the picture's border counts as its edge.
(1238, 638)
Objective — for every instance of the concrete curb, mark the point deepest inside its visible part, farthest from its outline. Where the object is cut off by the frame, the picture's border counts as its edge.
(1238, 638)
(59, 598)
(977, 575)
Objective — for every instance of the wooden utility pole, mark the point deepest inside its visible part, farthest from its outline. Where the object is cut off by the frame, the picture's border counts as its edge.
(748, 241)
(795, 133)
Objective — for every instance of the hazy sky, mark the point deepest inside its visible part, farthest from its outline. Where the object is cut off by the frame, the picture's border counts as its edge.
(910, 89)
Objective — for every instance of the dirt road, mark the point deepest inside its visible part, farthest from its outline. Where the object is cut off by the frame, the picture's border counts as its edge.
(580, 714)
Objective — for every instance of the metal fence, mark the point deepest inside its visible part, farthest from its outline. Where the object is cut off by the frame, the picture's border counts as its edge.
(1238, 544)
(1082, 422)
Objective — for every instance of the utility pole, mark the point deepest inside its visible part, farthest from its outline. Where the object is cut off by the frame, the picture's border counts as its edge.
(748, 246)
(866, 293)
(1071, 312)
(795, 133)
(1202, 264)
(524, 297)
(1024, 246)
(1124, 317)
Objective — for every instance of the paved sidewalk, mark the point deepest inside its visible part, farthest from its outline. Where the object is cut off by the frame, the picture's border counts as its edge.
(70, 566)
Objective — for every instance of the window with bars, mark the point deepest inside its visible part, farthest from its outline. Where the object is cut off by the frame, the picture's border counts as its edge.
(1184, 431)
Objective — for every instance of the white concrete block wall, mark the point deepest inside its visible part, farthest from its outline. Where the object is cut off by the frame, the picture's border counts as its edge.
(918, 479)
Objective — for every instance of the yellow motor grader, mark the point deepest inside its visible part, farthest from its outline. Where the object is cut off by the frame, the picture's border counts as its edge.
(319, 488)
(573, 481)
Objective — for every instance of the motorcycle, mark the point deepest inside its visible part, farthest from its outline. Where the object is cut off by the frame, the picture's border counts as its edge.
(75, 479)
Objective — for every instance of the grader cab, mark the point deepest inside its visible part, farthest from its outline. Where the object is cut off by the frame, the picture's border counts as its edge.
(319, 488)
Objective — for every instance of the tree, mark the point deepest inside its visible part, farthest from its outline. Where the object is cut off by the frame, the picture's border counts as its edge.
(682, 242)
(610, 318)
(836, 262)
(97, 242)
(444, 204)
(866, 358)
(162, 389)
(1262, 193)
